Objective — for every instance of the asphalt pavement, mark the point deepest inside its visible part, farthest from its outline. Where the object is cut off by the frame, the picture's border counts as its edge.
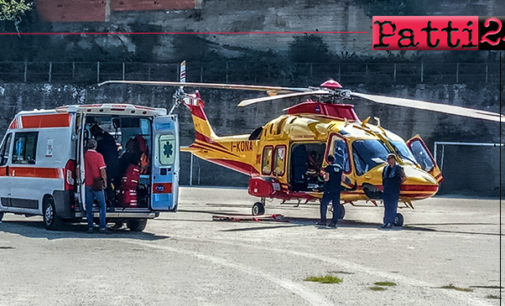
(185, 258)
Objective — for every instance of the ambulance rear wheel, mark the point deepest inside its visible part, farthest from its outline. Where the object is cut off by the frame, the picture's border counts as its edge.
(398, 220)
(51, 220)
(137, 225)
(258, 209)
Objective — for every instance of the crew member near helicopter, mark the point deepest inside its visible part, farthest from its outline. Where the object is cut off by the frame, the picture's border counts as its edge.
(393, 176)
(333, 178)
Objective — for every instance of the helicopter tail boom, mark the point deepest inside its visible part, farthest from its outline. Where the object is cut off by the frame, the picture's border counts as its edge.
(203, 129)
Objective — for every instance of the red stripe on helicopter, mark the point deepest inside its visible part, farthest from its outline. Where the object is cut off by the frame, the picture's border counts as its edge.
(430, 188)
(417, 195)
(419, 188)
(197, 111)
(204, 146)
(207, 146)
(236, 165)
(207, 139)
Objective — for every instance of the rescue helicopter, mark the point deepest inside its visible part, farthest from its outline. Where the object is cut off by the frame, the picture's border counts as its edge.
(285, 156)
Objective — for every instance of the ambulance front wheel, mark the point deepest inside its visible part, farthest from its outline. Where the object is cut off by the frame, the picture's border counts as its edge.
(398, 220)
(137, 225)
(258, 209)
(51, 220)
(1, 215)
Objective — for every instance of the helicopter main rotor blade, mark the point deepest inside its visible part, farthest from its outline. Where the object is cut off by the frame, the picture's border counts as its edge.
(296, 94)
(436, 107)
(270, 89)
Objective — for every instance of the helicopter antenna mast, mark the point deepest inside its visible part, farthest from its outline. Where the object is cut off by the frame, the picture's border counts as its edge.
(179, 93)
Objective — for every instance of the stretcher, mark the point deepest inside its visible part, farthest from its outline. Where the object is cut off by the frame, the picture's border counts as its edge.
(242, 218)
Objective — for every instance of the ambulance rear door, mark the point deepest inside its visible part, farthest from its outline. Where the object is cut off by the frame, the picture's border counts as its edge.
(165, 163)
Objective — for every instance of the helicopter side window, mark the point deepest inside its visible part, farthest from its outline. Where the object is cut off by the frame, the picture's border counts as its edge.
(280, 157)
(368, 154)
(341, 155)
(422, 156)
(266, 163)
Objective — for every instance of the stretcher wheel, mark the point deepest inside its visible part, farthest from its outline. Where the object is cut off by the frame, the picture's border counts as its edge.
(398, 220)
(258, 209)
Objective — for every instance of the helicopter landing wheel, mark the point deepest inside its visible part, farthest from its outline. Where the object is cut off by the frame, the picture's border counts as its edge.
(398, 220)
(258, 209)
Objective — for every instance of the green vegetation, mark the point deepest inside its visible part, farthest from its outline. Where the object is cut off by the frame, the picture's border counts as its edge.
(327, 279)
(496, 297)
(385, 284)
(377, 288)
(451, 286)
(308, 48)
(12, 10)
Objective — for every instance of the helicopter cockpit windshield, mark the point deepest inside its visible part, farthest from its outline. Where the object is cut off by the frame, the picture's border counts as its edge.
(401, 148)
(368, 154)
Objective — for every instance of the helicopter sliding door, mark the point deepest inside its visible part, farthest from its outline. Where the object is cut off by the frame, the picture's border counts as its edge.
(424, 157)
(338, 146)
(305, 166)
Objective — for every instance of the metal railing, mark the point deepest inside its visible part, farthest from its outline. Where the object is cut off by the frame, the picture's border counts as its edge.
(252, 72)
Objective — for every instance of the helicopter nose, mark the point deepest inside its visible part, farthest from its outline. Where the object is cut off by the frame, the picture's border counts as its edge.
(419, 184)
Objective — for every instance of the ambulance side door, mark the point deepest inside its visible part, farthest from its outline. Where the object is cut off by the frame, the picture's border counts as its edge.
(5, 181)
(165, 164)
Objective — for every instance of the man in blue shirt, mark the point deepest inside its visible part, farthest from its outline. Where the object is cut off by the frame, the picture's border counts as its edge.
(333, 178)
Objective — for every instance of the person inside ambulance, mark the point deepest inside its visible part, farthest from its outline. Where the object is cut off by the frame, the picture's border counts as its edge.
(130, 157)
(107, 147)
(144, 154)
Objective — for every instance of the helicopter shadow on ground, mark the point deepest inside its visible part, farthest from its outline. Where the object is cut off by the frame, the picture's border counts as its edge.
(301, 222)
(36, 229)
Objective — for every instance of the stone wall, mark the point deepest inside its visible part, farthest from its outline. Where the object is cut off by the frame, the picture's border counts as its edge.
(227, 119)
(240, 16)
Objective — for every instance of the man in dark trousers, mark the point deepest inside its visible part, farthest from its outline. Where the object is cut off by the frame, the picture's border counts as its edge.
(393, 176)
(333, 178)
(108, 148)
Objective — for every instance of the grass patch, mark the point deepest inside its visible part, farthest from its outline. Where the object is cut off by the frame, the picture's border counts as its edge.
(327, 279)
(451, 286)
(377, 288)
(493, 297)
(385, 284)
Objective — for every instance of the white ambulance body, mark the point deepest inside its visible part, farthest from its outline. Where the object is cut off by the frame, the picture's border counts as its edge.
(43, 150)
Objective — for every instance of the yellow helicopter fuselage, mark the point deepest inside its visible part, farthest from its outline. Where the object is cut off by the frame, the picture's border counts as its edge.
(277, 154)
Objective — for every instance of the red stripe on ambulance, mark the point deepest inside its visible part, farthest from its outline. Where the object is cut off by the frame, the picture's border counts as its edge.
(45, 121)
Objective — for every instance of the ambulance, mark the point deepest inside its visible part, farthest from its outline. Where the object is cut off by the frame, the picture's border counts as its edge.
(42, 169)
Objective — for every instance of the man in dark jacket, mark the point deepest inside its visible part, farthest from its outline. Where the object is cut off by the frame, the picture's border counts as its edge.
(108, 148)
(333, 178)
(393, 176)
